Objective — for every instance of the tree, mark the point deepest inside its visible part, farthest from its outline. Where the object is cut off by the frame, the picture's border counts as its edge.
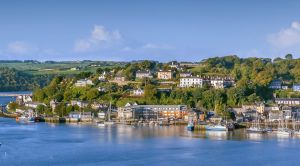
(92, 94)
(99, 70)
(289, 56)
(13, 106)
(41, 109)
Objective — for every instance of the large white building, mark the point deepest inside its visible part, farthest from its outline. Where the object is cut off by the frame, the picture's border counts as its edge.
(84, 82)
(143, 74)
(191, 82)
(215, 82)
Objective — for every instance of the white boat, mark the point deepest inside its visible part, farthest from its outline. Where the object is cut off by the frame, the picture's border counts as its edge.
(255, 127)
(100, 124)
(256, 130)
(216, 127)
(109, 123)
(283, 129)
(283, 132)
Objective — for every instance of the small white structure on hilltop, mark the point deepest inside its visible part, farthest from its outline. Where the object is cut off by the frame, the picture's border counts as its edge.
(83, 82)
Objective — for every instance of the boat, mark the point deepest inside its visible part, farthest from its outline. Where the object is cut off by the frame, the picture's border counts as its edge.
(217, 127)
(109, 121)
(255, 127)
(256, 130)
(283, 130)
(190, 126)
(101, 124)
(31, 120)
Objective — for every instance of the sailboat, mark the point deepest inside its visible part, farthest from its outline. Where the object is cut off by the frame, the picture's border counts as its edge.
(109, 121)
(255, 127)
(217, 127)
(282, 129)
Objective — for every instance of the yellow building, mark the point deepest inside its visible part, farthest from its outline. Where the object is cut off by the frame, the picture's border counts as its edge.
(165, 75)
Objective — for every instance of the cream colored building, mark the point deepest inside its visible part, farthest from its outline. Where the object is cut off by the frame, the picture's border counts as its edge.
(165, 75)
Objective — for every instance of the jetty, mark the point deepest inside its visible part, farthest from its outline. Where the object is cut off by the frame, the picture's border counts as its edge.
(14, 94)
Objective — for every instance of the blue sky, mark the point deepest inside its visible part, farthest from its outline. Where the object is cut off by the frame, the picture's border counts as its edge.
(162, 30)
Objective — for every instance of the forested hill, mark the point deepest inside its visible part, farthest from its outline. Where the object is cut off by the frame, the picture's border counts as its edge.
(13, 80)
(259, 71)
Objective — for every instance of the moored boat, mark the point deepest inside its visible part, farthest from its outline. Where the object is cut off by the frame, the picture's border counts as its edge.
(216, 127)
(190, 126)
(256, 130)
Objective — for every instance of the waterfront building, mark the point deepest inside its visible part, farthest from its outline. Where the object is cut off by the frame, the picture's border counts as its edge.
(275, 84)
(22, 99)
(287, 101)
(165, 75)
(83, 116)
(101, 115)
(143, 74)
(152, 112)
(53, 104)
(84, 83)
(296, 87)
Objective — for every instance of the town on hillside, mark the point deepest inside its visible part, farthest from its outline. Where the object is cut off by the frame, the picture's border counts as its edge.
(231, 88)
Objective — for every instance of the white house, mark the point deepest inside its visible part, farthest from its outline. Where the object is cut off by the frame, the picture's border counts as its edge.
(84, 82)
(34, 104)
(137, 92)
(81, 104)
(143, 74)
(191, 82)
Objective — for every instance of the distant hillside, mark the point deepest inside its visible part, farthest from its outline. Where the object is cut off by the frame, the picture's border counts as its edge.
(13, 80)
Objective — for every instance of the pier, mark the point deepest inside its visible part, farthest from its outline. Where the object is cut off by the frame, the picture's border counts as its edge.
(14, 94)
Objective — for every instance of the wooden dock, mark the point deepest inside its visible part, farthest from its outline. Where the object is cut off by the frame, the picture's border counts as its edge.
(14, 94)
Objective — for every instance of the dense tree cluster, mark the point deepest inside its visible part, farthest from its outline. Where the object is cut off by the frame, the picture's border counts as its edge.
(14, 80)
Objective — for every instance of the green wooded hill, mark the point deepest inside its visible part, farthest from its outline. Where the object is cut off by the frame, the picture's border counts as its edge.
(252, 77)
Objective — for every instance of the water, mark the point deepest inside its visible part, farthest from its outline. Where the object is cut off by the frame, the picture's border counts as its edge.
(5, 100)
(67, 144)
(43, 144)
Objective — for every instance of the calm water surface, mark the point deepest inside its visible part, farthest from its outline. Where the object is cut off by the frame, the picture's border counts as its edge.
(45, 144)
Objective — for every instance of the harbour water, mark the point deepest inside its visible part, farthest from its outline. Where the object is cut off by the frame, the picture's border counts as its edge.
(78, 144)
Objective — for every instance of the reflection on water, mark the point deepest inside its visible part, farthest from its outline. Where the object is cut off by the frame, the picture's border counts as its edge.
(81, 144)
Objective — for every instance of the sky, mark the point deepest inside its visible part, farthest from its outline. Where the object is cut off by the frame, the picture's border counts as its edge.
(163, 30)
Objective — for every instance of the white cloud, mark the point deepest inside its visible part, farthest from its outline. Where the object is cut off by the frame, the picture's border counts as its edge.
(99, 38)
(286, 38)
(156, 46)
(20, 48)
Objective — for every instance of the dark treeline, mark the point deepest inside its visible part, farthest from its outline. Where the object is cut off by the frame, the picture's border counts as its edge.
(13, 80)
